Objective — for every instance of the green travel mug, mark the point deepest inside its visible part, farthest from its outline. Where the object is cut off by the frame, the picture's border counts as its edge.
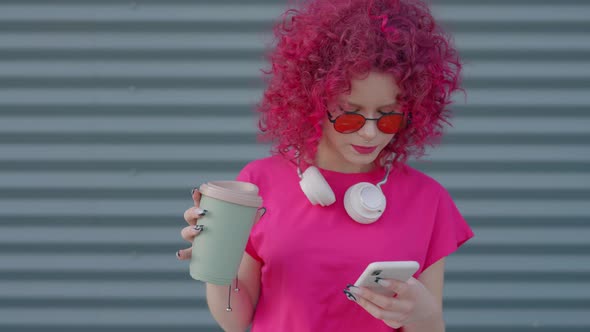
(231, 209)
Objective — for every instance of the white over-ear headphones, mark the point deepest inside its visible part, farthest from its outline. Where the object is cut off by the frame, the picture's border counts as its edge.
(364, 202)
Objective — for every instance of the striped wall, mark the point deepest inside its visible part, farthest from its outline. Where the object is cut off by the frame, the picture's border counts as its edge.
(111, 111)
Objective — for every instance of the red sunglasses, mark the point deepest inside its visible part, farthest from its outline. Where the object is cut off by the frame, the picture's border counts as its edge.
(350, 122)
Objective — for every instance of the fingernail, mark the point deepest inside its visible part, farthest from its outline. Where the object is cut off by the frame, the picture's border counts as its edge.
(199, 228)
(200, 212)
(382, 282)
(349, 295)
(350, 285)
(178, 254)
(194, 189)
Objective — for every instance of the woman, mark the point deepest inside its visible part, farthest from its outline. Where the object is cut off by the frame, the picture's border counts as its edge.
(355, 88)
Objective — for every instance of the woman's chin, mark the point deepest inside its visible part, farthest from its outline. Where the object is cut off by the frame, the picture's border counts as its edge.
(363, 162)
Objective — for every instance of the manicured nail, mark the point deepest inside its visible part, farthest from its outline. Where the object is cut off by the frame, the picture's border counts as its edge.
(349, 295)
(382, 282)
(200, 212)
(193, 191)
(199, 228)
(350, 285)
(178, 254)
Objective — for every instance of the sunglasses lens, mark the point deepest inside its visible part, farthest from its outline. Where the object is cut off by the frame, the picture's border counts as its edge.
(349, 123)
(390, 123)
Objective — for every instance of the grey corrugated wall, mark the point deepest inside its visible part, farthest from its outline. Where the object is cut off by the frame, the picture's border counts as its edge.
(110, 111)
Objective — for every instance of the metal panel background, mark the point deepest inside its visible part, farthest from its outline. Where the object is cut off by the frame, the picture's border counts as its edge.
(110, 111)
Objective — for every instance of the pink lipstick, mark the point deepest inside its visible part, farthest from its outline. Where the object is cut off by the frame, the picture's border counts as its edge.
(364, 149)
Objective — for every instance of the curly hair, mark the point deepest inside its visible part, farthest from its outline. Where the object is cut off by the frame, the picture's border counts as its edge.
(321, 46)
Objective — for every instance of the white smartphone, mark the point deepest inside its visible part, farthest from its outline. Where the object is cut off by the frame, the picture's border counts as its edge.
(399, 270)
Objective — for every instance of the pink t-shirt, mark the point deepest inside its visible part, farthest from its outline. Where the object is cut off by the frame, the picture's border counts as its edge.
(310, 253)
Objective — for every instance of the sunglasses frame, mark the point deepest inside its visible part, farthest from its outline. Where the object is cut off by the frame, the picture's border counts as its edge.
(405, 121)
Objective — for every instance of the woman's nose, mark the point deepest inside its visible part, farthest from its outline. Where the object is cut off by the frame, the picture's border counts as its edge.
(369, 130)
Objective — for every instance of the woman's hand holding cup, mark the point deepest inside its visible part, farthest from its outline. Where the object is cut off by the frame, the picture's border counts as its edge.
(191, 216)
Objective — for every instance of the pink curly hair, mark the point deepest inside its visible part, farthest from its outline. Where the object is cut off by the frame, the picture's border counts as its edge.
(324, 44)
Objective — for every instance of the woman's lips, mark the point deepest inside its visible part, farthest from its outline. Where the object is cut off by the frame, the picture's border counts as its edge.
(364, 149)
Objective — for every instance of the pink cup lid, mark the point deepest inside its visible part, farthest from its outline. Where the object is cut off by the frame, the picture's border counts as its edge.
(237, 192)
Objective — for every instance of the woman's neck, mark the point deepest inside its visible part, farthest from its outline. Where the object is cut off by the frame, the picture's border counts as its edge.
(336, 163)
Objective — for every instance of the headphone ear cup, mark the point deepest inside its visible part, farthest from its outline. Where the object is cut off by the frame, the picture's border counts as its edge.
(316, 188)
(364, 202)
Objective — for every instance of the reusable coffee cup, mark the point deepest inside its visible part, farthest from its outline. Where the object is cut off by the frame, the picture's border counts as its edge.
(231, 209)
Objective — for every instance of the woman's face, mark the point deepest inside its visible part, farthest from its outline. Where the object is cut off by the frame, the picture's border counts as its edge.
(371, 96)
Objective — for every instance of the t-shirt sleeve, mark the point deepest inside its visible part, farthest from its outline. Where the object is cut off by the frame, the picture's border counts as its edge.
(449, 232)
(245, 175)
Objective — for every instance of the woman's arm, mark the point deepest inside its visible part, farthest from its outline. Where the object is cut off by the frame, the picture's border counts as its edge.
(433, 279)
(243, 303)
(417, 307)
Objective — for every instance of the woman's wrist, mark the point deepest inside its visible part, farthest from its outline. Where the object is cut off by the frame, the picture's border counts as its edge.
(433, 323)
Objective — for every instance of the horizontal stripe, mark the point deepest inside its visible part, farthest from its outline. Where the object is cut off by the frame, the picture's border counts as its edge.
(140, 303)
(163, 207)
(253, 12)
(563, 82)
(223, 111)
(135, 138)
(452, 24)
(128, 166)
(136, 166)
(544, 303)
(173, 290)
(29, 221)
(136, 303)
(256, 41)
(482, 2)
(170, 194)
(131, 96)
(485, 182)
(44, 318)
(130, 25)
(158, 275)
(138, 54)
(124, 82)
(198, 152)
(512, 128)
(42, 249)
(235, 138)
(167, 262)
(198, 73)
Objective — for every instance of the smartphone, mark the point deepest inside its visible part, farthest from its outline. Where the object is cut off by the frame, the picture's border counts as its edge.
(399, 270)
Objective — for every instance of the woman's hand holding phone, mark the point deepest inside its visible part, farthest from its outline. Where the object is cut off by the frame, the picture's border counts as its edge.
(396, 302)
(412, 303)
